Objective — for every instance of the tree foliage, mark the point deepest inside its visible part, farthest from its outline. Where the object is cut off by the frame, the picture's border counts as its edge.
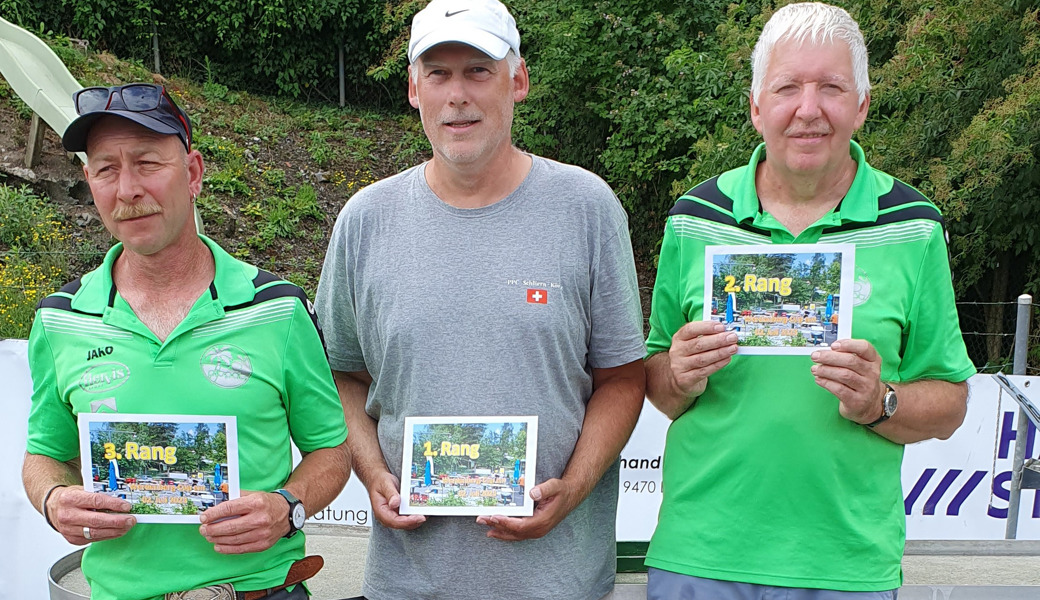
(285, 46)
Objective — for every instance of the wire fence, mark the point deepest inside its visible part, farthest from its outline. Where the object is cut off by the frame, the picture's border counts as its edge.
(989, 334)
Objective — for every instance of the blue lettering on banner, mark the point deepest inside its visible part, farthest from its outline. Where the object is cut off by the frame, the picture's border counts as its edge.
(954, 507)
(1004, 493)
(1008, 433)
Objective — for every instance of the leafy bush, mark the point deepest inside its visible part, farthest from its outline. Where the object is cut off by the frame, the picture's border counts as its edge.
(451, 500)
(34, 258)
(288, 46)
(22, 285)
(755, 340)
(188, 508)
(145, 508)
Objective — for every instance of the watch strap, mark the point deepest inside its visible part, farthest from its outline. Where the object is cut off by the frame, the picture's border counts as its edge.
(885, 415)
(293, 503)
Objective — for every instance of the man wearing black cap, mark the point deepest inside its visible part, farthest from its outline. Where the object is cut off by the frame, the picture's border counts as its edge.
(171, 324)
(486, 282)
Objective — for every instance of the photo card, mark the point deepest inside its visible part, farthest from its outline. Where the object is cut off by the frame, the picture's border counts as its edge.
(781, 298)
(466, 466)
(170, 468)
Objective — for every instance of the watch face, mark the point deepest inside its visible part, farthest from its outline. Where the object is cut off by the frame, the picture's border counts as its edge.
(890, 403)
(299, 515)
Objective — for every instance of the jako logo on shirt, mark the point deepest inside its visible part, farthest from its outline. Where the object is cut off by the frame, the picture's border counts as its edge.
(104, 377)
(536, 296)
(226, 366)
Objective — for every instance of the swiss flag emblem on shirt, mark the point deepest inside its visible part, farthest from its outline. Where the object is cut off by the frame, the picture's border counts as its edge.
(536, 296)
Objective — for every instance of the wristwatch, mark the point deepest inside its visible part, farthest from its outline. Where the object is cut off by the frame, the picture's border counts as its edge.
(297, 513)
(888, 406)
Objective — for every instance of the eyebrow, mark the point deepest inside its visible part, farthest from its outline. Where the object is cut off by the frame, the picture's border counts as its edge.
(134, 154)
(784, 79)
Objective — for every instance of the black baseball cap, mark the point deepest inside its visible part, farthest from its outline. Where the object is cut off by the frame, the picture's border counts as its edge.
(146, 104)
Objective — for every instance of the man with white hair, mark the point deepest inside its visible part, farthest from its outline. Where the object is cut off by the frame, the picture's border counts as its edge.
(782, 473)
(486, 282)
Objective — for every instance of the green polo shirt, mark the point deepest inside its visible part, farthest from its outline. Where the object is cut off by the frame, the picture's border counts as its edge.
(763, 481)
(281, 388)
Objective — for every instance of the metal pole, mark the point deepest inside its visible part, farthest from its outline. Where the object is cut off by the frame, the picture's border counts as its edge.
(342, 80)
(155, 46)
(1025, 304)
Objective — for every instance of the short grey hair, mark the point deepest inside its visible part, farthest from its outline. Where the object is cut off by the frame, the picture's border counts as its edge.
(512, 59)
(815, 23)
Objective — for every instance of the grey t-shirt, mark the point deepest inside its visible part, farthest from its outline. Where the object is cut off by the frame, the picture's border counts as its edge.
(433, 301)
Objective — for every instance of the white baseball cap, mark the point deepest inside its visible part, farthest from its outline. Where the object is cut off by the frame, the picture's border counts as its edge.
(484, 24)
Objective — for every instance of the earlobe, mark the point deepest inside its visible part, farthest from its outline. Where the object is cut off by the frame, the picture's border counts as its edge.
(521, 82)
(756, 116)
(196, 169)
(413, 92)
(864, 108)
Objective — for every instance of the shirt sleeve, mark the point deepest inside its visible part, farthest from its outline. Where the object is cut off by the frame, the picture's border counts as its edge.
(934, 347)
(617, 317)
(312, 402)
(335, 302)
(666, 313)
(52, 424)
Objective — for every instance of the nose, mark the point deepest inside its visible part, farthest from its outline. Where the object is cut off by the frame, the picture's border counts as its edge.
(809, 104)
(127, 187)
(457, 94)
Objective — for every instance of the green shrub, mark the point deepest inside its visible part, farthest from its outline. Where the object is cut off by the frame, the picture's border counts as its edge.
(145, 508)
(319, 148)
(286, 46)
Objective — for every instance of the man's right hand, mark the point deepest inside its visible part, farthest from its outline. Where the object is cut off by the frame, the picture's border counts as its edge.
(699, 349)
(384, 493)
(72, 510)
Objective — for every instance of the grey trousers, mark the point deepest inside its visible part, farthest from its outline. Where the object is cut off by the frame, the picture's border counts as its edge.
(665, 585)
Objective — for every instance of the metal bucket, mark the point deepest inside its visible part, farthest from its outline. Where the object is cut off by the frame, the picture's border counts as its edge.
(65, 576)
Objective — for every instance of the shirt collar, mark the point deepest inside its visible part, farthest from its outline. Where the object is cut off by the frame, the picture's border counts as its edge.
(859, 203)
(232, 281)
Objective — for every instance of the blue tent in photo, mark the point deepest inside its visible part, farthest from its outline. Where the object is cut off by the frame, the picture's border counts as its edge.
(830, 308)
(731, 305)
(427, 480)
(113, 473)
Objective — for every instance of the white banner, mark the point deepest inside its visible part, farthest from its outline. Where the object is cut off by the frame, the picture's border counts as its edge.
(953, 489)
(33, 546)
(949, 488)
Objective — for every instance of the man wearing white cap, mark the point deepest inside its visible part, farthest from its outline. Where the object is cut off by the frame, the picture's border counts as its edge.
(486, 282)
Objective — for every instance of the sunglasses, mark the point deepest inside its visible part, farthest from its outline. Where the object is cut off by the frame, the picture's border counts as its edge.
(135, 97)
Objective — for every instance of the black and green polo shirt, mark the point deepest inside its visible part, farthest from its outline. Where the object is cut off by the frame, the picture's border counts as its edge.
(249, 348)
(764, 482)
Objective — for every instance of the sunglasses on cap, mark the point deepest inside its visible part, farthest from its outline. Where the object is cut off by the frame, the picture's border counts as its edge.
(134, 97)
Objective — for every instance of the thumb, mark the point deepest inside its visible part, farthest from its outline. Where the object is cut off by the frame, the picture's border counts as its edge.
(546, 489)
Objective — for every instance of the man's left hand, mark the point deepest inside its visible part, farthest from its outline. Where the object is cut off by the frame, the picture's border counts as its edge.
(554, 499)
(852, 372)
(254, 522)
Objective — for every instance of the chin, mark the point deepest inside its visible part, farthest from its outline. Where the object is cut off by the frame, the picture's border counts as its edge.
(814, 163)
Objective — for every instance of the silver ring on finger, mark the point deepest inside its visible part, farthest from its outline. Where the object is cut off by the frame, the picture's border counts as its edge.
(86, 533)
